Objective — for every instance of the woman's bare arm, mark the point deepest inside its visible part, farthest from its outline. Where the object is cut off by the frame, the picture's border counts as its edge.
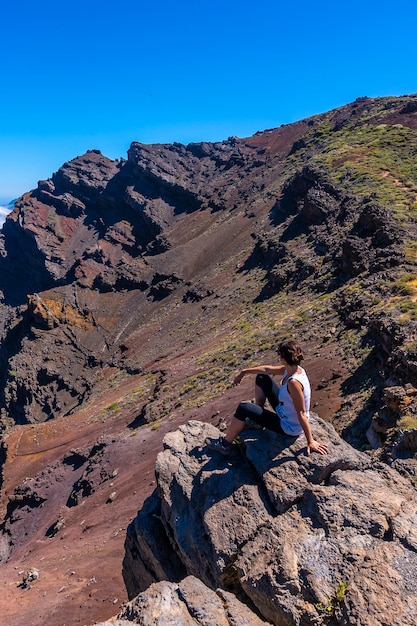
(296, 391)
(271, 370)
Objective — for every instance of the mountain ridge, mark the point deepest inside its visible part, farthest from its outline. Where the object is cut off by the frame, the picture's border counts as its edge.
(133, 289)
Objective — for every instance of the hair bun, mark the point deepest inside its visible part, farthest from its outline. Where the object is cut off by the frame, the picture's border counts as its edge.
(291, 352)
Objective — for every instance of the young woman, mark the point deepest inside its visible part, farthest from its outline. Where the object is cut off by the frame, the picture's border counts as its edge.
(290, 401)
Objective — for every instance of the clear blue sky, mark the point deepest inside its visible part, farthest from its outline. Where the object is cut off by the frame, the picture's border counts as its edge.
(96, 74)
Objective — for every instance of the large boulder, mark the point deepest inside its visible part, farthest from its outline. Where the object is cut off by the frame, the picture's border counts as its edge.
(305, 539)
(188, 603)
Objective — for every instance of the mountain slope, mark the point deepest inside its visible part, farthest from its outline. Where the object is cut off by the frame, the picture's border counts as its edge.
(115, 250)
(132, 290)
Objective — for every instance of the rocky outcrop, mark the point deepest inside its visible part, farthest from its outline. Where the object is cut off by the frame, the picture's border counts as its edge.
(187, 603)
(352, 237)
(304, 539)
(94, 253)
(131, 289)
(325, 238)
(393, 430)
(399, 406)
(52, 492)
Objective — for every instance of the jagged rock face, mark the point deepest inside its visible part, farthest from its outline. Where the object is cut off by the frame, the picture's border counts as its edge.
(351, 237)
(91, 258)
(76, 226)
(307, 540)
(91, 221)
(84, 256)
(187, 603)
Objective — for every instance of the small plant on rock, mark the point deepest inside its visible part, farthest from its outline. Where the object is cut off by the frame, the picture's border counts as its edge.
(333, 603)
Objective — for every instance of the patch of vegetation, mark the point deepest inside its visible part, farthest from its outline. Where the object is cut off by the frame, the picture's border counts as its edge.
(408, 309)
(113, 407)
(332, 604)
(204, 386)
(406, 285)
(411, 251)
(257, 330)
(407, 422)
(370, 160)
(341, 591)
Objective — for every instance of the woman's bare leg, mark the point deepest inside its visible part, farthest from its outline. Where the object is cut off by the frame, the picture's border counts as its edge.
(260, 396)
(235, 427)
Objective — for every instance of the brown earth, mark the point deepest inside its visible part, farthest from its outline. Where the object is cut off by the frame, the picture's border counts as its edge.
(177, 262)
(80, 579)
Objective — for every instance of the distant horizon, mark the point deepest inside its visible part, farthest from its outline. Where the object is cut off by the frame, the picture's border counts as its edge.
(4, 211)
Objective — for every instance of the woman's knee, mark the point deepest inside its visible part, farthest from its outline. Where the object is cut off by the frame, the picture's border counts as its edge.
(247, 409)
(264, 382)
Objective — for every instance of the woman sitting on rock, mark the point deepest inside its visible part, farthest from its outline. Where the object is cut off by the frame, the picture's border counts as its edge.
(290, 401)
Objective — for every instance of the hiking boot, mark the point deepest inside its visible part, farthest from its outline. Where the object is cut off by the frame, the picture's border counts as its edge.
(219, 445)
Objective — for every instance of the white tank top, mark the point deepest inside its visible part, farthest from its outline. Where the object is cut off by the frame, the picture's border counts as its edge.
(286, 410)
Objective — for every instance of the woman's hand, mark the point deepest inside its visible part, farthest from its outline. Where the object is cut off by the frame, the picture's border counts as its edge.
(238, 378)
(315, 446)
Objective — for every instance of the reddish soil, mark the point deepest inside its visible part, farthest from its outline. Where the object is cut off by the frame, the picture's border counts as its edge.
(80, 567)
(78, 550)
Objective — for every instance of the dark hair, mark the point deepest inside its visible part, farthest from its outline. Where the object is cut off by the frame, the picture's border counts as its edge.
(291, 352)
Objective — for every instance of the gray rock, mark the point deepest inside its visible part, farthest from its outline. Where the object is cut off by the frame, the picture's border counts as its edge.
(188, 603)
(305, 539)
